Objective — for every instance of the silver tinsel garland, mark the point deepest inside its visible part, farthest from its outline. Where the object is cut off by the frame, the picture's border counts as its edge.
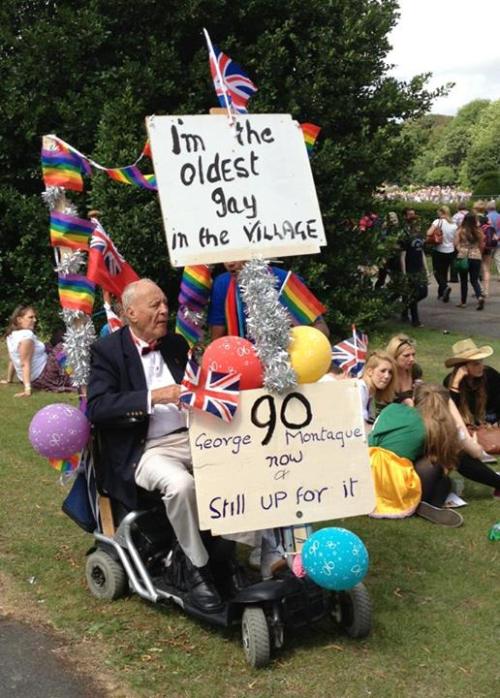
(268, 325)
(78, 338)
(71, 263)
(52, 196)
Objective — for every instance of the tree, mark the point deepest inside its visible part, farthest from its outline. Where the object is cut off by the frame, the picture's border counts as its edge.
(91, 70)
(483, 156)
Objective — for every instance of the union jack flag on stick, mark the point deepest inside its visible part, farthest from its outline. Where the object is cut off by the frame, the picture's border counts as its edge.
(350, 354)
(210, 391)
(106, 266)
(232, 85)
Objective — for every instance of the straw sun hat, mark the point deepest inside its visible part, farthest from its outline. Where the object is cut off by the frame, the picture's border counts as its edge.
(466, 350)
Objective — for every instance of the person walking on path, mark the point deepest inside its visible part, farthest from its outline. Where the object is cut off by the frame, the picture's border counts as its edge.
(442, 235)
(469, 241)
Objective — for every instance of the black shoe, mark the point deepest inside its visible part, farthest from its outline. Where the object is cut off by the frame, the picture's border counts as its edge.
(201, 588)
(480, 303)
(446, 295)
(416, 324)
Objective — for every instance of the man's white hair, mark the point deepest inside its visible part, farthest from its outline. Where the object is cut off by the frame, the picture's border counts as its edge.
(130, 291)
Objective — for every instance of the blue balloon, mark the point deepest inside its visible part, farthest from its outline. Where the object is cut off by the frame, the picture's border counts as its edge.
(335, 558)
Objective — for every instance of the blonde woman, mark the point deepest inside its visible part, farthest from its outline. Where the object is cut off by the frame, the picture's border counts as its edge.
(378, 385)
(402, 349)
(442, 253)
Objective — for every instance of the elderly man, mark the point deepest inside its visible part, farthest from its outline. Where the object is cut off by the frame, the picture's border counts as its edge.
(136, 372)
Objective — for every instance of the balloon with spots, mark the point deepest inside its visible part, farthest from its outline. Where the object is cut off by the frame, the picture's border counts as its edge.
(335, 558)
(234, 355)
(59, 431)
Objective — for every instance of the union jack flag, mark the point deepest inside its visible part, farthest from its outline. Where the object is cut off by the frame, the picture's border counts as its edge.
(350, 354)
(238, 86)
(210, 391)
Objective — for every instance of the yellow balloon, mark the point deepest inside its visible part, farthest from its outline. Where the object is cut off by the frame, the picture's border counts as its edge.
(310, 353)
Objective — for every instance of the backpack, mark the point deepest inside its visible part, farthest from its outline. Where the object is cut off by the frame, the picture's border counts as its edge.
(490, 236)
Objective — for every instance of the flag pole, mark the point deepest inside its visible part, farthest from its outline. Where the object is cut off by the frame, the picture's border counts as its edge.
(355, 342)
(219, 75)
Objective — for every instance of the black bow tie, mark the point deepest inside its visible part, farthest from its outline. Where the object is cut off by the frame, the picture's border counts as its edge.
(152, 346)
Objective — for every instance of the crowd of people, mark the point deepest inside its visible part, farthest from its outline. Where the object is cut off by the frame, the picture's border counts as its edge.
(462, 247)
(437, 194)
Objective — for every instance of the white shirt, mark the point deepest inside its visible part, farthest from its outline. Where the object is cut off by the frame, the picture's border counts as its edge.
(449, 230)
(163, 418)
(39, 358)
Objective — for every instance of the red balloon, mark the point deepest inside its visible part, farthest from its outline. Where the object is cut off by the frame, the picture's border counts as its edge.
(235, 355)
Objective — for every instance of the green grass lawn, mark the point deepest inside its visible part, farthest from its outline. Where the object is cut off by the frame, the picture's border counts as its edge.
(435, 593)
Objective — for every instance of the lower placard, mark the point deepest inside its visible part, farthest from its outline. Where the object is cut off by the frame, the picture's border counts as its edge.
(283, 460)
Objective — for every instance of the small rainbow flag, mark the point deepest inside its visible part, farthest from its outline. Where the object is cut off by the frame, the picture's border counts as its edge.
(62, 167)
(76, 292)
(302, 305)
(65, 465)
(132, 175)
(310, 133)
(70, 231)
(192, 333)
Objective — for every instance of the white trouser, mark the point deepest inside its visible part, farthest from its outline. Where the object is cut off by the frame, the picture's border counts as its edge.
(166, 466)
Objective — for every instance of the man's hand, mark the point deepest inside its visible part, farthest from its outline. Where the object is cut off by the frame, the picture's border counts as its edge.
(165, 396)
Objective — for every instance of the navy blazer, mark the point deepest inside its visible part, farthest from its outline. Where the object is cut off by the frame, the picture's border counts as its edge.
(117, 390)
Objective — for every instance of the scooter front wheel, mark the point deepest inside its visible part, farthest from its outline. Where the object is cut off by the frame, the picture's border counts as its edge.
(105, 576)
(255, 637)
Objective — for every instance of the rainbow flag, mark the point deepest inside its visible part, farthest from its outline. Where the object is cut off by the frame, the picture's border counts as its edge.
(310, 133)
(194, 295)
(76, 292)
(302, 305)
(196, 284)
(70, 231)
(62, 167)
(65, 465)
(132, 175)
(185, 326)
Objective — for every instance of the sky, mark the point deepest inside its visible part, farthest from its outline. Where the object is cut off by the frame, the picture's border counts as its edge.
(456, 41)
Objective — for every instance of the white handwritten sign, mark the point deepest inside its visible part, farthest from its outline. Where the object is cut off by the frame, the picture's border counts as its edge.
(231, 193)
(283, 460)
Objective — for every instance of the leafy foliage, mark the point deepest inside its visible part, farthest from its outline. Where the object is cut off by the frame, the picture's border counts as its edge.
(90, 71)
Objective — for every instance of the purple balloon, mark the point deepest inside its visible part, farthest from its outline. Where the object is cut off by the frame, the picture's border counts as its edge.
(59, 430)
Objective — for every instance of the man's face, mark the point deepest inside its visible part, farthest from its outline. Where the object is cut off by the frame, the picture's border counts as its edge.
(148, 313)
(411, 215)
(234, 267)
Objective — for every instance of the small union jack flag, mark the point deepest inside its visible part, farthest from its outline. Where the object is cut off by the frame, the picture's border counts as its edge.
(237, 85)
(213, 392)
(350, 354)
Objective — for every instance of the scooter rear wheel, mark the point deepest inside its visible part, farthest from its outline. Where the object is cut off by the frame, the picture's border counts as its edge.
(255, 637)
(105, 576)
(355, 611)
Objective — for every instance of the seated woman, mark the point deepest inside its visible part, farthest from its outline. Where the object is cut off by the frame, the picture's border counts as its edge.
(402, 349)
(401, 436)
(474, 387)
(35, 366)
(378, 384)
